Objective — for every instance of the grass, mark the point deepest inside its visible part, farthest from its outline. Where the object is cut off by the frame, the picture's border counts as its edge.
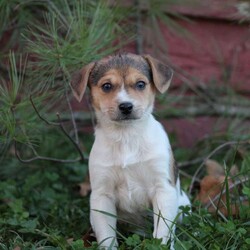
(41, 209)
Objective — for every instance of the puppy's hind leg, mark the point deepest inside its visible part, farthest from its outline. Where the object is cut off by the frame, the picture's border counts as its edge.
(183, 200)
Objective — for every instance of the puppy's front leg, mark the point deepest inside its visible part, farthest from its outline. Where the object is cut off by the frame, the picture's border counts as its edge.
(103, 220)
(165, 208)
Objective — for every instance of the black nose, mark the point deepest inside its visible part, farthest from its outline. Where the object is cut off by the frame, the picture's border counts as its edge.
(126, 108)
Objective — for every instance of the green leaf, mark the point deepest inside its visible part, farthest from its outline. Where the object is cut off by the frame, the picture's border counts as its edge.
(133, 240)
(246, 191)
(77, 245)
(28, 226)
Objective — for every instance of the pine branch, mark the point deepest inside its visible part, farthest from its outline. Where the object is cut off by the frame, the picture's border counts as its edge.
(37, 156)
(139, 36)
(186, 164)
(216, 110)
(72, 118)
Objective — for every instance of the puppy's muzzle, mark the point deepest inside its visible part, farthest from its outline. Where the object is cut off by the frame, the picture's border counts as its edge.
(126, 108)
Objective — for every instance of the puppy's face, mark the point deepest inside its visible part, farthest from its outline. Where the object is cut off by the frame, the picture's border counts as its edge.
(123, 87)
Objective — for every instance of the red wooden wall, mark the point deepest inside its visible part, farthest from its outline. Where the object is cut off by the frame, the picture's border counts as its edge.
(219, 42)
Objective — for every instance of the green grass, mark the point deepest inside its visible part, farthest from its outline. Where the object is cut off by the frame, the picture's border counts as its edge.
(41, 208)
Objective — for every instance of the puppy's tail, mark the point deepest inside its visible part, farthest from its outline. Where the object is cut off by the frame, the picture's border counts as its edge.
(184, 200)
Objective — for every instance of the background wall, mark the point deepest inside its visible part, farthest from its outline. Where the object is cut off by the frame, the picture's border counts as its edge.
(212, 51)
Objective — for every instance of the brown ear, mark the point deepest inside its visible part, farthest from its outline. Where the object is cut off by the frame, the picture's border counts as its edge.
(79, 81)
(162, 74)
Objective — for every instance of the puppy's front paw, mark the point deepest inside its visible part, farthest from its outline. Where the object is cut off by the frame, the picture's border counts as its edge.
(162, 234)
(109, 244)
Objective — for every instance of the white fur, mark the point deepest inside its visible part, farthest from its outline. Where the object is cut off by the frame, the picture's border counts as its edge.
(123, 96)
(129, 168)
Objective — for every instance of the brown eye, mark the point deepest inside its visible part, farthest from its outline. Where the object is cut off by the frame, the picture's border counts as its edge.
(140, 85)
(107, 87)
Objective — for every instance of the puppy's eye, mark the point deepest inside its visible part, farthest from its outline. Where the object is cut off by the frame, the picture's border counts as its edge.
(106, 87)
(140, 85)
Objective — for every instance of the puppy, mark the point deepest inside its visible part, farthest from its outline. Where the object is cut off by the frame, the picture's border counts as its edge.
(131, 163)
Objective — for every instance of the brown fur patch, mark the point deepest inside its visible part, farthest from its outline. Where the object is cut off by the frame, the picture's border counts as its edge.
(145, 96)
(120, 62)
(164, 71)
(161, 73)
(99, 97)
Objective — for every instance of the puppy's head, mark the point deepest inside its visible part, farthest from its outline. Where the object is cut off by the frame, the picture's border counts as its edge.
(122, 87)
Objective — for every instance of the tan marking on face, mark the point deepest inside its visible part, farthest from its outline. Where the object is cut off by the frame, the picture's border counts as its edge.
(101, 100)
(147, 95)
(123, 81)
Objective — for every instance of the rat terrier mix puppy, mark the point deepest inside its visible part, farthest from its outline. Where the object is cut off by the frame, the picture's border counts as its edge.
(131, 163)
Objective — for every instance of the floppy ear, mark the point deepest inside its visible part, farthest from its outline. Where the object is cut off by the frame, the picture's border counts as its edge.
(79, 81)
(162, 74)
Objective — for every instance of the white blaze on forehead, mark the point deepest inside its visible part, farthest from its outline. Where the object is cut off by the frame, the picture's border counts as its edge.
(123, 96)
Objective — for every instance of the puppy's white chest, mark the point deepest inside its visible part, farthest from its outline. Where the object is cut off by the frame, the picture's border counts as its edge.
(128, 152)
(132, 188)
(130, 165)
